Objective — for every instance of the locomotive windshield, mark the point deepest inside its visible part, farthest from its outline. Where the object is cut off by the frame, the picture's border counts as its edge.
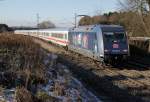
(111, 36)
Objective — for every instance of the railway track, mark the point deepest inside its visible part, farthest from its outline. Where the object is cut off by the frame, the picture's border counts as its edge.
(128, 82)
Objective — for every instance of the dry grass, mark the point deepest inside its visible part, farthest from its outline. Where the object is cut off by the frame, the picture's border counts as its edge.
(21, 58)
(23, 95)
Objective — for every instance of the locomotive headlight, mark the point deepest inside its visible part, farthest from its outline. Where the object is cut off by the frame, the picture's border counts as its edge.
(106, 50)
(125, 50)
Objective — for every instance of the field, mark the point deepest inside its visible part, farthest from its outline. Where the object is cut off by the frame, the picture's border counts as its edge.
(33, 70)
(28, 73)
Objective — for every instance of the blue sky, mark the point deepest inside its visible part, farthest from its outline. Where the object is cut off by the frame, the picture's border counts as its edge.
(60, 12)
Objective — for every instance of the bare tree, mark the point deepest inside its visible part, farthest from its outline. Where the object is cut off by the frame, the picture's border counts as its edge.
(46, 25)
(140, 8)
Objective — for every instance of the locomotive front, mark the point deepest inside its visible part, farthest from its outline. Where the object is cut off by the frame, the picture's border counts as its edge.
(116, 46)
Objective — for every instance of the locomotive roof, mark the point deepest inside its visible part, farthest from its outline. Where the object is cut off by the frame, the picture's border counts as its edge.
(102, 27)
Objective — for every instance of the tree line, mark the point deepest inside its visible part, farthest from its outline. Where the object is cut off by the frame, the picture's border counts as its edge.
(134, 15)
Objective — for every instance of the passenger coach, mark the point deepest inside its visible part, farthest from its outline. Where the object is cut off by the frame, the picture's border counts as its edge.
(58, 36)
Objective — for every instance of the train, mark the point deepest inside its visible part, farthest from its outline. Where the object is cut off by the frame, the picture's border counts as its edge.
(103, 43)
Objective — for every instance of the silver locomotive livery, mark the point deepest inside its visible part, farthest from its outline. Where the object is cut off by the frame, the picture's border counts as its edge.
(100, 42)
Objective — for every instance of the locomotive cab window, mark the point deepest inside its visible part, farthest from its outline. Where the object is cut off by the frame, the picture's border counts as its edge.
(111, 36)
(119, 35)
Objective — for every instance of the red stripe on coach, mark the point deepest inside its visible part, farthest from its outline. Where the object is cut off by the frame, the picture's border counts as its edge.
(65, 42)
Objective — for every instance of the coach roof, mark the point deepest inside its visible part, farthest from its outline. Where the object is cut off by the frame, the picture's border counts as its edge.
(55, 29)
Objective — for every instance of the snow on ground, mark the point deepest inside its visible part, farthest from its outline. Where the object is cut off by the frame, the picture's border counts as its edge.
(8, 95)
(64, 86)
(61, 85)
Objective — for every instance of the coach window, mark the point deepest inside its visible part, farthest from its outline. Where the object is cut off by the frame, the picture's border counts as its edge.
(47, 34)
(61, 36)
(52, 35)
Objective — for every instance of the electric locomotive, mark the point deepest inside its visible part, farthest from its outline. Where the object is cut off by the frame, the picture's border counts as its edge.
(100, 42)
